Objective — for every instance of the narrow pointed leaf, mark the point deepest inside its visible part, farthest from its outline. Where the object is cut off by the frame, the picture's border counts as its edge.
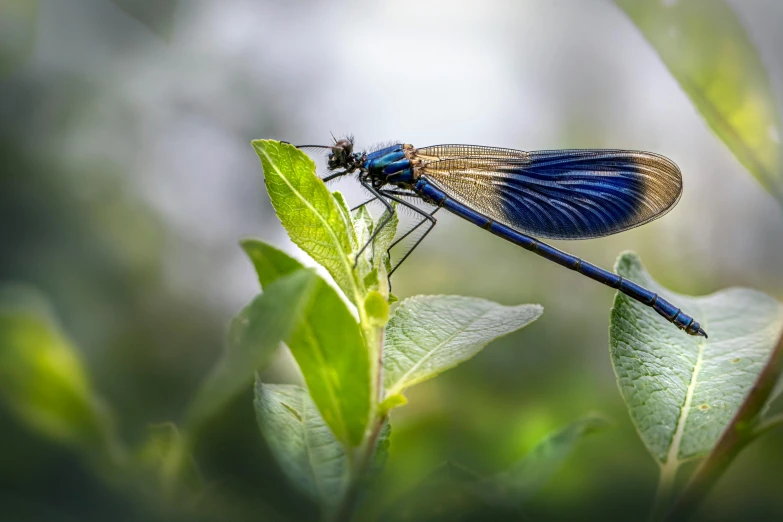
(42, 379)
(166, 454)
(328, 346)
(311, 216)
(253, 337)
(430, 334)
(18, 21)
(301, 441)
(709, 53)
(452, 492)
(157, 15)
(682, 391)
(527, 477)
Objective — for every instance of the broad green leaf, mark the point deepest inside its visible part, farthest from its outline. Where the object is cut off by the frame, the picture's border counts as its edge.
(311, 216)
(527, 477)
(709, 53)
(747, 424)
(301, 441)
(157, 15)
(682, 391)
(253, 337)
(42, 380)
(430, 334)
(18, 21)
(328, 346)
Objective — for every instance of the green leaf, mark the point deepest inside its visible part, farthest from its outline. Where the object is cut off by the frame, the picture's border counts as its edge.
(166, 454)
(301, 442)
(527, 477)
(430, 334)
(377, 308)
(747, 424)
(363, 226)
(709, 53)
(374, 263)
(313, 218)
(18, 20)
(346, 213)
(329, 348)
(157, 15)
(381, 451)
(682, 391)
(452, 492)
(381, 259)
(253, 337)
(446, 494)
(42, 379)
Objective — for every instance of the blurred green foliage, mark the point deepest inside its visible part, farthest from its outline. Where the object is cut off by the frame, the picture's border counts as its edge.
(18, 19)
(158, 15)
(42, 378)
(711, 55)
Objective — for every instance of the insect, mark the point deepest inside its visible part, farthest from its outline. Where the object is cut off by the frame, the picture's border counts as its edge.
(514, 194)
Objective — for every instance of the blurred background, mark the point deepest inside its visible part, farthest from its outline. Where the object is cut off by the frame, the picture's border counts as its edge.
(127, 181)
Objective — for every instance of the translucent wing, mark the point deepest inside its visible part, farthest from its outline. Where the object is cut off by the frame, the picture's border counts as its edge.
(561, 194)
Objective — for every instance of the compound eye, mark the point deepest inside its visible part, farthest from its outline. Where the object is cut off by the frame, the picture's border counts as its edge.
(343, 148)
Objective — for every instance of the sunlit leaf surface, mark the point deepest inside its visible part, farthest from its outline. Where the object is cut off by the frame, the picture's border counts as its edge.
(314, 220)
(328, 346)
(708, 51)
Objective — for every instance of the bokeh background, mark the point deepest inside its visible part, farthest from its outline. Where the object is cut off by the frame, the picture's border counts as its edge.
(127, 180)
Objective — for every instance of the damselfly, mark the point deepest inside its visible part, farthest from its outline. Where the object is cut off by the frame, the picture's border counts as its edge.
(514, 194)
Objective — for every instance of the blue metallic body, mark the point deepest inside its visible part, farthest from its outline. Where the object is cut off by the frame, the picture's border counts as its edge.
(569, 194)
(629, 288)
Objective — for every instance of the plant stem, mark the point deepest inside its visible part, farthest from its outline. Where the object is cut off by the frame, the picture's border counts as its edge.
(742, 430)
(367, 450)
(665, 490)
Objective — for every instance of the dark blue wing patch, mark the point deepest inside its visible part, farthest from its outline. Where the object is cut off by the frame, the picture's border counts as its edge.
(562, 194)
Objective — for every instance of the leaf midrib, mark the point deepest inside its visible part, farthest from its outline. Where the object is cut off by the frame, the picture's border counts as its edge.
(397, 387)
(326, 226)
(672, 457)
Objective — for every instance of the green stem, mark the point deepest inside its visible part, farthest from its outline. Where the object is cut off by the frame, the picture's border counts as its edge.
(742, 430)
(665, 491)
(361, 465)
